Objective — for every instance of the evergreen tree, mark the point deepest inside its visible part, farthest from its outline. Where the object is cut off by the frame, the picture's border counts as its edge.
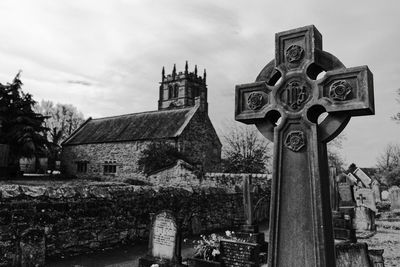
(21, 128)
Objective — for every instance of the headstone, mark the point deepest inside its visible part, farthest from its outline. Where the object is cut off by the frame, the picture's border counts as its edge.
(352, 178)
(346, 195)
(364, 219)
(235, 254)
(377, 191)
(363, 177)
(300, 201)
(33, 247)
(394, 198)
(164, 242)
(365, 197)
(385, 195)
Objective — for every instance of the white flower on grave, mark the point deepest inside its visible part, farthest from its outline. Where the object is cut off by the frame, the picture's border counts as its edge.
(213, 237)
(215, 252)
(228, 233)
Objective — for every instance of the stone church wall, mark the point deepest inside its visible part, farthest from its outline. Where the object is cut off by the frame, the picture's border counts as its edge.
(200, 140)
(124, 154)
(81, 219)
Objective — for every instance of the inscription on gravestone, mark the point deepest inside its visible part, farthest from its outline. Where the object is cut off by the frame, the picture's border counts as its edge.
(235, 254)
(288, 89)
(164, 236)
(164, 242)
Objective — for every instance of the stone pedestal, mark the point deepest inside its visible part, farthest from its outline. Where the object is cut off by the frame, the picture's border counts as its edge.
(352, 255)
(364, 219)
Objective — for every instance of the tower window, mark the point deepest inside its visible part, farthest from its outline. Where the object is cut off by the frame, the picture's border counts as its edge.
(170, 92)
(176, 91)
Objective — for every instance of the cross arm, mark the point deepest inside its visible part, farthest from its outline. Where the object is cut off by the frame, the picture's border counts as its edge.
(252, 101)
(348, 90)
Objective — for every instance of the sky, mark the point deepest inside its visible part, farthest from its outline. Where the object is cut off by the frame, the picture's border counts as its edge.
(105, 57)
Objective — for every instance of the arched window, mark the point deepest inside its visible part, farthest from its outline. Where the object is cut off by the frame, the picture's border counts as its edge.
(170, 92)
(176, 90)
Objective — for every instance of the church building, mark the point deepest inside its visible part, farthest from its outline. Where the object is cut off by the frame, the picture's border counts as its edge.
(111, 146)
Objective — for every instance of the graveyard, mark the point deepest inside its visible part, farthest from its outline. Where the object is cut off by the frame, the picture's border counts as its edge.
(283, 152)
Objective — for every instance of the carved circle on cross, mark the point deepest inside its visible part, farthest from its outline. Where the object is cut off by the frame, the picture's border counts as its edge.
(294, 53)
(295, 94)
(255, 100)
(295, 140)
(340, 90)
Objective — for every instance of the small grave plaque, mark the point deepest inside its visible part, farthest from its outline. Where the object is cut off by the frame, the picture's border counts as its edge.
(242, 254)
(365, 197)
(164, 242)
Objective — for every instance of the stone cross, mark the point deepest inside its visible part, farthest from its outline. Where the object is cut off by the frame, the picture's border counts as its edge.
(288, 89)
(361, 198)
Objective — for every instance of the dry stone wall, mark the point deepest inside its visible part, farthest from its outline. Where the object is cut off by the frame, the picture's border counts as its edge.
(81, 219)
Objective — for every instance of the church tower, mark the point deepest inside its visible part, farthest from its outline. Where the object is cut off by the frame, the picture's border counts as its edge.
(183, 90)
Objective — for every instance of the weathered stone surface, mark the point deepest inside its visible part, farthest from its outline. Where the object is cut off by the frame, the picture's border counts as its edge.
(352, 255)
(10, 191)
(33, 191)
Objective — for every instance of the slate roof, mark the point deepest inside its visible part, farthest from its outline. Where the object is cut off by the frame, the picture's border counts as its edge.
(132, 127)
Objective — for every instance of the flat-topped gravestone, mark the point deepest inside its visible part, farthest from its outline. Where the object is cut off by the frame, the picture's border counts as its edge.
(164, 242)
(301, 231)
(365, 197)
(242, 254)
(363, 177)
(394, 198)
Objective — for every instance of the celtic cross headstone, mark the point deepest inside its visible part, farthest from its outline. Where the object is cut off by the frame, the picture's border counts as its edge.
(287, 88)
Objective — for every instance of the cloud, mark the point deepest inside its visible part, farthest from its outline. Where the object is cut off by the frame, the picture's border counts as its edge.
(105, 57)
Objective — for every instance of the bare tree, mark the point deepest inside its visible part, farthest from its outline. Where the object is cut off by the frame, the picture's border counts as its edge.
(245, 150)
(389, 159)
(61, 120)
(335, 157)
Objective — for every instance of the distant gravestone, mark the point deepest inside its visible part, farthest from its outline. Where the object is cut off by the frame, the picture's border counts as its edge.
(352, 178)
(365, 197)
(363, 176)
(377, 191)
(364, 219)
(346, 196)
(164, 242)
(394, 198)
(235, 254)
(385, 195)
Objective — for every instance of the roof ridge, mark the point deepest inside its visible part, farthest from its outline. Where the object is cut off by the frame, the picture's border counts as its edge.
(144, 112)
